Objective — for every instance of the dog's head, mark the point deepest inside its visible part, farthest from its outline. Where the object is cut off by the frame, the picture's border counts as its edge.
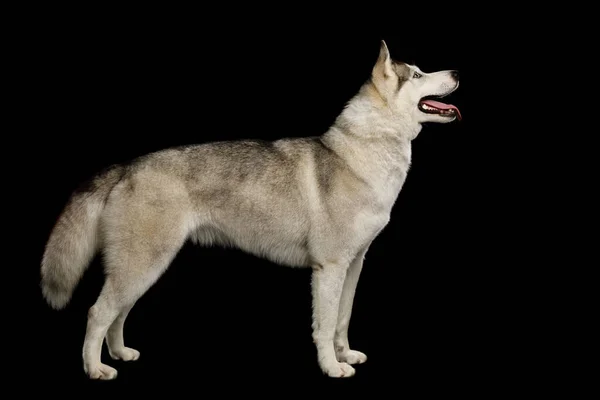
(407, 89)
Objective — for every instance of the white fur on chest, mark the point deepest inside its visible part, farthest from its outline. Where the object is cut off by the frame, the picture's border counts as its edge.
(392, 183)
(385, 186)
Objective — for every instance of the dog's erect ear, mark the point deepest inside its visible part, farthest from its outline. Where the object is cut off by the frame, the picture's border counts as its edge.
(383, 67)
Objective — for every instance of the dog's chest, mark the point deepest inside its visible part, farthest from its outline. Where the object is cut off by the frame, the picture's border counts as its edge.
(376, 216)
(392, 180)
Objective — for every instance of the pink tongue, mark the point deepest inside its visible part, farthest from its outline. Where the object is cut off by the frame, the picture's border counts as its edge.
(442, 106)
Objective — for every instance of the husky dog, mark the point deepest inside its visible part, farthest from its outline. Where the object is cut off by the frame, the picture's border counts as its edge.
(315, 202)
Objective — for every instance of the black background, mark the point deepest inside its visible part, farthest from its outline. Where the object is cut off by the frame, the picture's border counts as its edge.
(430, 304)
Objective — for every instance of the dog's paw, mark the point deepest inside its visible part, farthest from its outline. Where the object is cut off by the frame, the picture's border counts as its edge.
(352, 357)
(339, 370)
(124, 353)
(102, 372)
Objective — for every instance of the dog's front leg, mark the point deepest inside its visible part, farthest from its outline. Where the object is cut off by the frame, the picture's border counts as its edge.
(327, 286)
(342, 347)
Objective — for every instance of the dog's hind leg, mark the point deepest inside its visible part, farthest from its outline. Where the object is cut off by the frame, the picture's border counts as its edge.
(138, 250)
(116, 342)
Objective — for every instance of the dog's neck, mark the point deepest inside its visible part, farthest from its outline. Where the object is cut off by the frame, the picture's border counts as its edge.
(375, 143)
(367, 115)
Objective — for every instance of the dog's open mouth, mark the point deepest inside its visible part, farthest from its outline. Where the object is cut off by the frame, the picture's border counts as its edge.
(430, 106)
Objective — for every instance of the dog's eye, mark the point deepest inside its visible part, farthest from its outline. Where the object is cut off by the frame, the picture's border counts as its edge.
(417, 75)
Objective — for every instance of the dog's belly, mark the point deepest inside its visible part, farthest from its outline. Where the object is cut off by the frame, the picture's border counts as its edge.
(277, 243)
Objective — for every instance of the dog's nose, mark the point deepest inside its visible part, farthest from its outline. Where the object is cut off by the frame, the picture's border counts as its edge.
(454, 74)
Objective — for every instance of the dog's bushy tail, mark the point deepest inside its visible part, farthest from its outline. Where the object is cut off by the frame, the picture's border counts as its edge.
(74, 239)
